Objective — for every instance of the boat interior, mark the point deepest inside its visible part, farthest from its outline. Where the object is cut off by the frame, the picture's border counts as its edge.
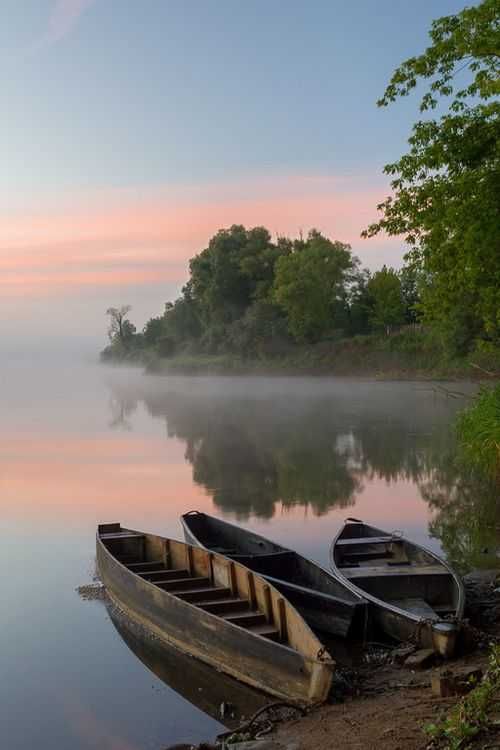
(279, 565)
(393, 569)
(211, 583)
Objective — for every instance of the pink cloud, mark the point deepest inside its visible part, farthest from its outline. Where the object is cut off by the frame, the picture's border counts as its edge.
(64, 17)
(124, 238)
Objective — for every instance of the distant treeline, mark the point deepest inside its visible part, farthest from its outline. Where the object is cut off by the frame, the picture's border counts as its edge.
(255, 297)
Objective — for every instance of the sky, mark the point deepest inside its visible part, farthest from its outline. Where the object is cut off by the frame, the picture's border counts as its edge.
(131, 131)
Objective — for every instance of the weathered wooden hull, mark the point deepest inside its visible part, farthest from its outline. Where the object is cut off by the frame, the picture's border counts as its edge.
(420, 578)
(322, 600)
(272, 667)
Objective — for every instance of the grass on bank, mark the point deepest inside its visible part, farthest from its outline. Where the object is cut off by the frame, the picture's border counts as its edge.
(473, 714)
(479, 431)
(407, 353)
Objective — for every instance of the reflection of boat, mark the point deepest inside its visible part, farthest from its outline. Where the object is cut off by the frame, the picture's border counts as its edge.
(324, 602)
(197, 682)
(410, 589)
(216, 610)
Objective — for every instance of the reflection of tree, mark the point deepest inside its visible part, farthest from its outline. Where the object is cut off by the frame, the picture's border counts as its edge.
(467, 512)
(251, 451)
(249, 455)
(121, 408)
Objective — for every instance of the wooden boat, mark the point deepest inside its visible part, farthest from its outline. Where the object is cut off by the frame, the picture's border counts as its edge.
(215, 609)
(414, 595)
(324, 602)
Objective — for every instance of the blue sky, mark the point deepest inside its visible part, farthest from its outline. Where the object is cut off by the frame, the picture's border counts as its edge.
(109, 104)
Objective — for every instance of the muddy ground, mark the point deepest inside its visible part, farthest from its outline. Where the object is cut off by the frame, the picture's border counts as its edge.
(385, 717)
(383, 704)
(395, 703)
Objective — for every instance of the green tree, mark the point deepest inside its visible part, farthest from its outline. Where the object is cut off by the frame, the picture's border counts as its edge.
(359, 303)
(311, 285)
(446, 189)
(387, 306)
(181, 319)
(410, 290)
(153, 331)
(226, 275)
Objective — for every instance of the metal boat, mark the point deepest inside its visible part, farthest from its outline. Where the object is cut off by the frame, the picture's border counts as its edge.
(413, 593)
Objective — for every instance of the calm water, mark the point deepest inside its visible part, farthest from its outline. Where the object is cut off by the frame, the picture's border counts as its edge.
(290, 458)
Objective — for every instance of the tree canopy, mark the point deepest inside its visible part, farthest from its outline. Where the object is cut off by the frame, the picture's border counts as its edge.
(385, 290)
(310, 285)
(446, 189)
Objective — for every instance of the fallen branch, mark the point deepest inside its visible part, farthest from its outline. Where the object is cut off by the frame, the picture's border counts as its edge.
(247, 724)
(486, 372)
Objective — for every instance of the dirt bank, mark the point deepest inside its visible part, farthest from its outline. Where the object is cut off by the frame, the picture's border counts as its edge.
(385, 704)
(385, 717)
(395, 703)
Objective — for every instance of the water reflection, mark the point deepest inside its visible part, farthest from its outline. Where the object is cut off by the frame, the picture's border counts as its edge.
(290, 458)
(316, 448)
(466, 515)
(216, 694)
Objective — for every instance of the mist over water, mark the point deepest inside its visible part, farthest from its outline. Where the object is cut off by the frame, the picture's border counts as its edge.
(289, 457)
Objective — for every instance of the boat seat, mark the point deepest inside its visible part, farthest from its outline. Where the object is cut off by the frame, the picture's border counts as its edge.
(141, 567)
(121, 535)
(416, 606)
(245, 617)
(164, 574)
(201, 592)
(183, 584)
(220, 606)
(394, 570)
(360, 555)
(204, 593)
(367, 540)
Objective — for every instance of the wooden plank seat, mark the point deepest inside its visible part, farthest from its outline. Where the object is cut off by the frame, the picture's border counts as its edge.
(206, 593)
(199, 591)
(367, 540)
(221, 606)
(121, 535)
(164, 574)
(360, 555)
(142, 567)
(394, 570)
(184, 584)
(246, 618)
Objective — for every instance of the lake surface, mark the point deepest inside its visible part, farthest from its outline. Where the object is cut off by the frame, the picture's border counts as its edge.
(288, 457)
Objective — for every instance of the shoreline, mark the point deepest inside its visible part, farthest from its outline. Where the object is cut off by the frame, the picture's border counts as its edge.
(384, 687)
(231, 367)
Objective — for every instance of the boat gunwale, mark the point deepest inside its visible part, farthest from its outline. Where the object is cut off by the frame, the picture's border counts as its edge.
(312, 660)
(459, 609)
(360, 599)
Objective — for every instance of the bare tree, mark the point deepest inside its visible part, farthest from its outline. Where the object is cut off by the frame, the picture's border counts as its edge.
(117, 321)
